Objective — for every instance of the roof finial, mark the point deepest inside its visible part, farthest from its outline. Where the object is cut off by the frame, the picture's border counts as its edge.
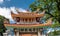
(17, 10)
(12, 12)
(37, 11)
(43, 12)
(49, 21)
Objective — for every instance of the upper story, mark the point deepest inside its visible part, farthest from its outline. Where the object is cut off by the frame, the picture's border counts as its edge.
(27, 17)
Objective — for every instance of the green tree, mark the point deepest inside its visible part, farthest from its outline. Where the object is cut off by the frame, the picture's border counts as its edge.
(2, 27)
(50, 6)
(52, 9)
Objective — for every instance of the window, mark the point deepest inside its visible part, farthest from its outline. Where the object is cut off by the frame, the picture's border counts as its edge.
(30, 29)
(25, 29)
(37, 19)
(18, 19)
(30, 19)
(26, 20)
(22, 29)
(33, 29)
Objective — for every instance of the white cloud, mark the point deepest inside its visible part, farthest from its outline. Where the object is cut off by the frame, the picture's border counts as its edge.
(13, 9)
(6, 11)
(22, 10)
(1, 1)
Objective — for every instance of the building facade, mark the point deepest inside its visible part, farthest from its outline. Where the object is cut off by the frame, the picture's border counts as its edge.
(27, 24)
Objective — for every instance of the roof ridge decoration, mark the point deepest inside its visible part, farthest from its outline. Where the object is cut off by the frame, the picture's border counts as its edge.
(21, 12)
(36, 11)
(12, 12)
(28, 14)
(49, 21)
(17, 10)
(43, 12)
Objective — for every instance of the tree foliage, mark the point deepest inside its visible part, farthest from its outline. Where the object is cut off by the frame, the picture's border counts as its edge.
(52, 9)
(50, 6)
(55, 33)
(2, 27)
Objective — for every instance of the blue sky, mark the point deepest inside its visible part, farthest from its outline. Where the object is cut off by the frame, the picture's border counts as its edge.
(7, 5)
(16, 3)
